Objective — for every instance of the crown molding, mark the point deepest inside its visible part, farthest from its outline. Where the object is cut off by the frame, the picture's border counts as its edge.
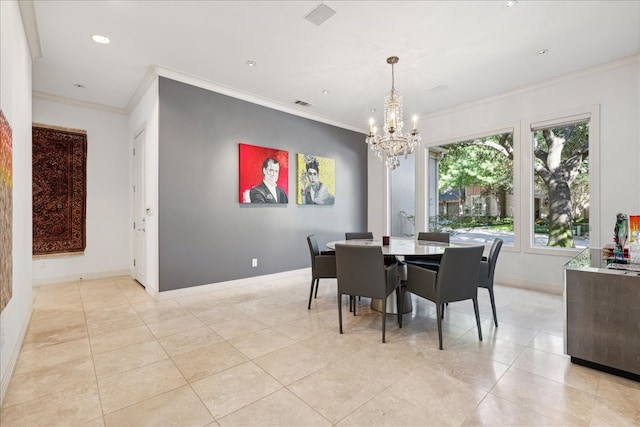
(155, 71)
(597, 69)
(245, 96)
(64, 100)
(30, 24)
(149, 77)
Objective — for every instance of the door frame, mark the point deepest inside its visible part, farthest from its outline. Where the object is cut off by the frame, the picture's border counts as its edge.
(139, 261)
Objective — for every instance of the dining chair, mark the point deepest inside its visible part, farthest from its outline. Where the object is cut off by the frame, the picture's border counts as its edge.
(323, 266)
(368, 235)
(487, 270)
(356, 235)
(362, 272)
(359, 235)
(455, 280)
(431, 262)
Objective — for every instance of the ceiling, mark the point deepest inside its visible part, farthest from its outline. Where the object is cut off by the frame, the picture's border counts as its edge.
(451, 52)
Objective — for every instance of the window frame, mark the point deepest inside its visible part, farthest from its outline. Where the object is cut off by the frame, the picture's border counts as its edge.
(590, 113)
(422, 217)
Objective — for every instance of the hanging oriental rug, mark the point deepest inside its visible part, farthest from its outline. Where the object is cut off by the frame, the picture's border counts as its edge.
(59, 189)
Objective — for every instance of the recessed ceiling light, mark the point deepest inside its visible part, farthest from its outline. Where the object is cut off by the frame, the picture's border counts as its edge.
(542, 51)
(78, 85)
(325, 92)
(510, 3)
(251, 63)
(373, 110)
(100, 39)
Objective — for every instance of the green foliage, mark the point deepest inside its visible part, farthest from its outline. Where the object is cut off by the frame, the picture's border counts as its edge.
(472, 221)
(561, 176)
(541, 227)
(475, 163)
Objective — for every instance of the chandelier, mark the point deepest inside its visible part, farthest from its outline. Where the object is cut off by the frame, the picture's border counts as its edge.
(393, 143)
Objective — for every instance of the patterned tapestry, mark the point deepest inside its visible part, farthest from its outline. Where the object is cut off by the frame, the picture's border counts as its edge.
(6, 212)
(59, 189)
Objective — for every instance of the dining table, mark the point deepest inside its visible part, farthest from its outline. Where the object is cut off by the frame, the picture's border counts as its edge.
(398, 247)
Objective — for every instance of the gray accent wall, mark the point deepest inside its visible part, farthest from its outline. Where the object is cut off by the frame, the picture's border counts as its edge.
(205, 235)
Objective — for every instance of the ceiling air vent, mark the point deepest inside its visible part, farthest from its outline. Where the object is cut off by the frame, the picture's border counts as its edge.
(302, 103)
(320, 14)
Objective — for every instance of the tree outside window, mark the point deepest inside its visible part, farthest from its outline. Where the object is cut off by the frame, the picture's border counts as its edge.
(561, 184)
(475, 186)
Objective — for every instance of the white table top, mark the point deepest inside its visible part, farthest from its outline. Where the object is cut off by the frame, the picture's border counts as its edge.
(399, 246)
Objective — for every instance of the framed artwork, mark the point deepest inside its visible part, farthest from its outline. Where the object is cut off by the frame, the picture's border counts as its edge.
(634, 228)
(263, 175)
(316, 180)
(6, 211)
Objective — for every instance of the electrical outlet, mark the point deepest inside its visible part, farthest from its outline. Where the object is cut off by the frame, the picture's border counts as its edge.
(254, 262)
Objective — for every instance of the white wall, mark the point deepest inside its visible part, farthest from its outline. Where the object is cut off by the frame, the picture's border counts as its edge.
(109, 195)
(15, 102)
(615, 88)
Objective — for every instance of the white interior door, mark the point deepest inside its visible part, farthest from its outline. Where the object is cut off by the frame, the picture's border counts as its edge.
(139, 211)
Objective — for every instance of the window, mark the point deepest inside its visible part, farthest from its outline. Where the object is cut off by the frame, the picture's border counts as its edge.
(474, 189)
(402, 198)
(561, 191)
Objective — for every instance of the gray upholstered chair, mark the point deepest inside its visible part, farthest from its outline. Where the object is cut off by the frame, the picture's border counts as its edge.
(357, 235)
(367, 235)
(456, 280)
(487, 270)
(363, 235)
(322, 266)
(361, 271)
(428, 261)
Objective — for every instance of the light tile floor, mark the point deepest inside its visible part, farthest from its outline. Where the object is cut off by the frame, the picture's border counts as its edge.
(104, 352)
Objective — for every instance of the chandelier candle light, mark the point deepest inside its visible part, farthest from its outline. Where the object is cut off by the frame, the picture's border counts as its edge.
(393, 143)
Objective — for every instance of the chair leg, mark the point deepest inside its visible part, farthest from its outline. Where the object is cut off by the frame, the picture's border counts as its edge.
(475, 308)
(401, 309)
(354, 305)
(317, 286)
(442, 315)
(493, 307)
(340, 311)
(384, 319)
(439, 309)
(399, 304)
(311, 293)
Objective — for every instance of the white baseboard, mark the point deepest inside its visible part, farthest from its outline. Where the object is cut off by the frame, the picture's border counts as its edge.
(15, 352)
(78, 277)
(233, 284)
(506, 281)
